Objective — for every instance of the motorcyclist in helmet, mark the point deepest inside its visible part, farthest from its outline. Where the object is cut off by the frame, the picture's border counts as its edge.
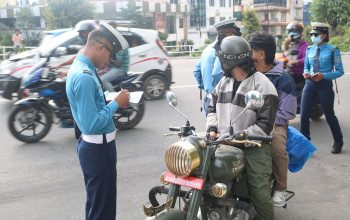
(228, 98)
(84, 28)
(296, 41)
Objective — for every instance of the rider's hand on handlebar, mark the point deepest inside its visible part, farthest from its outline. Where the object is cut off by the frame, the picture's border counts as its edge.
(123, 98)
(63, 74)
(213, 136)
(116, 63)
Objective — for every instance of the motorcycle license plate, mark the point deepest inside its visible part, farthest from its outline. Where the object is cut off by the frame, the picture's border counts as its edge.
(191, 182)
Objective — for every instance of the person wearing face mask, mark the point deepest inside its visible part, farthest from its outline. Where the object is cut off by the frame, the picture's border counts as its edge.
(208, 70)
(322, 65)
(296, 41)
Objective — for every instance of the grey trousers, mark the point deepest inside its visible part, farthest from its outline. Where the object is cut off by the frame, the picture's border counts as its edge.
(110, 76)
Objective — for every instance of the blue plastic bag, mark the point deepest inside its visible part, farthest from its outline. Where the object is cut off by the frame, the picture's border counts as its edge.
(299, 149)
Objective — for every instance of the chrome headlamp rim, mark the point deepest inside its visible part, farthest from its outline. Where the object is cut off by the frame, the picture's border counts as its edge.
(182, 158)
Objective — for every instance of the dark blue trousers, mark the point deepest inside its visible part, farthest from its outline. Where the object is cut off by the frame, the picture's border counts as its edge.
(98, 163)
(324, 91)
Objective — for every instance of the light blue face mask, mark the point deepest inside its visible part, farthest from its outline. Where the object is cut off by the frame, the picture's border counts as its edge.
(316, 40)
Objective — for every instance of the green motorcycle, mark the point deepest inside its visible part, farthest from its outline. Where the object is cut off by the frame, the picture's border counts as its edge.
(212, 173)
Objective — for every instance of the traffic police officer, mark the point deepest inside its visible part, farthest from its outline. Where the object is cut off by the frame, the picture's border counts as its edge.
(96, 146)
(319, 73)
(208, 70)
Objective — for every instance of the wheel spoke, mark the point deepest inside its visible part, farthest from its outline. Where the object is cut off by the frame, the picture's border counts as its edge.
(23, 129)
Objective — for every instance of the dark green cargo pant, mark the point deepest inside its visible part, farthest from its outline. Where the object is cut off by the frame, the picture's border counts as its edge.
(259, 170)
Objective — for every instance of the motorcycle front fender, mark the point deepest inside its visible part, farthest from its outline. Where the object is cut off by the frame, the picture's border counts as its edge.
(169, 214)
(27, 101)
(34, 102)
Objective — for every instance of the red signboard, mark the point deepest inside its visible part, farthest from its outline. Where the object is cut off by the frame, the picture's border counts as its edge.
(191, 182)
(159, 21)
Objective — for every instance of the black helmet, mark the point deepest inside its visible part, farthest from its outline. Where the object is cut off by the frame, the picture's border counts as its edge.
(295, 26)
(232, 51)
(87, 25)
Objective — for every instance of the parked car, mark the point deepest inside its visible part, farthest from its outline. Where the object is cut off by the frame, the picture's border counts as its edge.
(148, 57)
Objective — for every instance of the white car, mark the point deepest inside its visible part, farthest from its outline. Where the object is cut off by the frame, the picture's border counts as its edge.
(149, 57)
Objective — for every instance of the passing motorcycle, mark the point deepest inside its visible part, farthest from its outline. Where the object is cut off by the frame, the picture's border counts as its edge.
(213, 172)
(31, 118)
(291, 55)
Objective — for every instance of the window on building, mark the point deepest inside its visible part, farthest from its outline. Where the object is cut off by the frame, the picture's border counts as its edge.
(211, 20)
(222, 18)
(211, 2)
(283, 17)
(174, 2)
(237, 2)
(283, 30)
(266, 17)
(273, 17)
(230, 3)
(170, 24)
(273, 30)
(181, 23)
(222, 3)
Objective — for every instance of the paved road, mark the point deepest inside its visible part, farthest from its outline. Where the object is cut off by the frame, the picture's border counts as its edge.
(44, 180)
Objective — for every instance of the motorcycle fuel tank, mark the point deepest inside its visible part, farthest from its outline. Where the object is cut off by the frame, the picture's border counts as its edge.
(227, 164)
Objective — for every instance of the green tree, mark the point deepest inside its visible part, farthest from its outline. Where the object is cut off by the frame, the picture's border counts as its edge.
(65, 14)
(133, 13)
(251, 22)
(25, 24)
(333, 12)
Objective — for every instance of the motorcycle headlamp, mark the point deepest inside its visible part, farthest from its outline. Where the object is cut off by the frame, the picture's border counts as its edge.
(182, 158)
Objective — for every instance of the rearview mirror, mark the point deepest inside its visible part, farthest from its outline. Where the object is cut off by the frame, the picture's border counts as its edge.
(171, 97)
(254, 100)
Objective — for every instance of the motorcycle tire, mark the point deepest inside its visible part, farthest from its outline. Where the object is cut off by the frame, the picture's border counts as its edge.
(316, 115)
(154, 87)
(129, 117)
(31, 119)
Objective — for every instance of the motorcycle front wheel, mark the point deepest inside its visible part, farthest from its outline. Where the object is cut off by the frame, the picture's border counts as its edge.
(130, 116)
(29, 123)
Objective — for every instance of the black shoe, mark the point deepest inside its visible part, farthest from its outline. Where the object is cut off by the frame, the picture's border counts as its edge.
(337, 147)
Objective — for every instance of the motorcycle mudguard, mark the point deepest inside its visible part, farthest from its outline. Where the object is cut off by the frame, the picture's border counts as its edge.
(27, 101)
(169, 214)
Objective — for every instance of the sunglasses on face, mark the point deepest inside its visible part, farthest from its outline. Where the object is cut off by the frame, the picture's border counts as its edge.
(109, 50)
(314, 34)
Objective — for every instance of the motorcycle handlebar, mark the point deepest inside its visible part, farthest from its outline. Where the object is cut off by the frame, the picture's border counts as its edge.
(171, 128)
(260, 138)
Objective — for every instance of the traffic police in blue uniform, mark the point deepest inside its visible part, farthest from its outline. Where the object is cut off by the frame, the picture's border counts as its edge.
(96, 146)
(319, 73)
(208, 70)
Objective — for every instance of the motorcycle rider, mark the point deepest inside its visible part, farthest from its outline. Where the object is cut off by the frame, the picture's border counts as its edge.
(208, 70)
(296, 41)
(84, 28)
(117, 67)
(227, 102)
(264, 48)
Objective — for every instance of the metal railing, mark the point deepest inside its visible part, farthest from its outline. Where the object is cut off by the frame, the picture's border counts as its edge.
(3, 53)
(173, 51)
(185, 50)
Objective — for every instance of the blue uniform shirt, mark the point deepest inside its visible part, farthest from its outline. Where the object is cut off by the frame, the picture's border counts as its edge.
(209, 69)
(86, 99)
(326, 60)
